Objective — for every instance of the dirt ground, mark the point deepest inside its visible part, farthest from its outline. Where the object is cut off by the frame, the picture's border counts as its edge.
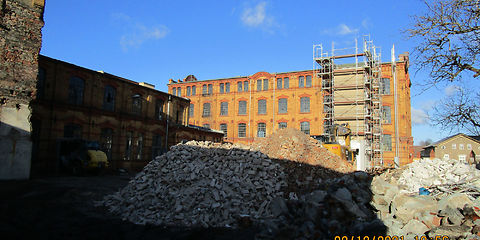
(63, 208)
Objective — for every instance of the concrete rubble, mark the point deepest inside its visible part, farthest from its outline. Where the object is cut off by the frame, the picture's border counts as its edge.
(225, 185)
(201, 184)
(449, 206)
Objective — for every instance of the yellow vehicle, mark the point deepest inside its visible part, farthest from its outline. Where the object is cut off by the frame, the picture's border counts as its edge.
(339, 142)
(78, 155)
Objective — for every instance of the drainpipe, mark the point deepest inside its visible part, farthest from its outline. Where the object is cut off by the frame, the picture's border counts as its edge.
(395, 94)
(249, 110)
(168, 121)
(273, 119)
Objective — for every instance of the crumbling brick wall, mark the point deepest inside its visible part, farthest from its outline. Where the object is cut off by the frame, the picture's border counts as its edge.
(21, 23)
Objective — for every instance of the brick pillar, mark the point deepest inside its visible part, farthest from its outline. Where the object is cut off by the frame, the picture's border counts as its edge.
(21, 23)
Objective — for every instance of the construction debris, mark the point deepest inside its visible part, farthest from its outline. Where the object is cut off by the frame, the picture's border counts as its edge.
(225, 185)
(429, 198)
(201, 184)
(292, 144)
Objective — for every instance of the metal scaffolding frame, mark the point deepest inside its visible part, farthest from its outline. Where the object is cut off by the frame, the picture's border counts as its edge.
(341, 93)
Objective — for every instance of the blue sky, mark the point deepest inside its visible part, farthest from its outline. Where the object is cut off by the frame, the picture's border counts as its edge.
(155, 40)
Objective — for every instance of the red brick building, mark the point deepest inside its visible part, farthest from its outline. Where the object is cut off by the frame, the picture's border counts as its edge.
(132, 121)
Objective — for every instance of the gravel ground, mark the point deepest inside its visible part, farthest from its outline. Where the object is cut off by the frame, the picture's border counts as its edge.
(63, 208)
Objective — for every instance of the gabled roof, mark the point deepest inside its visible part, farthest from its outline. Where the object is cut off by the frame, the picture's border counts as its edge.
(473, 138)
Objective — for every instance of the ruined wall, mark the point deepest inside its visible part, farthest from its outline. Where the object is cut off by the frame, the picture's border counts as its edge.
(21, 23)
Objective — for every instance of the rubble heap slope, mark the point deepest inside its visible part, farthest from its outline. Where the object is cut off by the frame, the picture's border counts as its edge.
(293, 144)
(200, 184)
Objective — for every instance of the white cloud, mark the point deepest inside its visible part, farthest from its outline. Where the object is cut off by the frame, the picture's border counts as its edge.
(428, 105)
(341, 29)
(451, 89)
(257, 17)
(136, 33)
(344, 29)
(366, 23)
(419, 116)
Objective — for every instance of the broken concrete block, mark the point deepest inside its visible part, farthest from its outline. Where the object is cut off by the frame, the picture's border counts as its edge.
(416, 227)
(456, 200)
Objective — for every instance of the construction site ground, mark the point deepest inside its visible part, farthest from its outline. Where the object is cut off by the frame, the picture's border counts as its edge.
(63, 208)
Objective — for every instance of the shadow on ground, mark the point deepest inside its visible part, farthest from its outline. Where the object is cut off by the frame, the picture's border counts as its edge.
(63, 208)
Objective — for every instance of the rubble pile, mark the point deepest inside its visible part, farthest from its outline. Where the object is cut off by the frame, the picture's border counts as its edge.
(200, 184)
(429, 197)
(294, 145)
(434, 172)
(339, 207)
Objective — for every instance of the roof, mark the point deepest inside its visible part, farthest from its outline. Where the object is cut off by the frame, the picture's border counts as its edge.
(137, 84)
(237, 77)
(473, 138)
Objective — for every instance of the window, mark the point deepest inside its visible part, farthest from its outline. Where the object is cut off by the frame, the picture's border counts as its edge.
(261, 130)
(242, 107)
(305, 104)
(204, 89)
(224, 129)
(72, 131)
(443, 147)
(222, 87)
(128, 145)
(245, 86)
(308, 82)
(75, 91)
(191, 110)
(41, 83)
(109, 98)
(286, 83)
(179, 92)
(454, 146)
(385, 86)
(239, 86)
(259, 85)
(446, 156)
(157, 145)
(206, 125)
(227, 87)
(189, 91)
(461, 146)
(224, 108)
(305, 127)
(262, 106)
(301, 81)
(469, 146)
(282, 125)
(137, 104)
(279, 83)
(194, 90)
(282, 105)
(387, 142)
(174, 91)
(179, 115)
(106, 139)
(462, 158)
(210, 89)
(265, 84)
(242, 130)
(206, 110)
(159, 109)
(386, 115)
(139, 146)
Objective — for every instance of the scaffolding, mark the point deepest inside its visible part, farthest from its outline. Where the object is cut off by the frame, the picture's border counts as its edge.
(351, 94)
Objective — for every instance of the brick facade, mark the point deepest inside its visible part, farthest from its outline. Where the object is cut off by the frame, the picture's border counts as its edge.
(129, 119)
(303, 89)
